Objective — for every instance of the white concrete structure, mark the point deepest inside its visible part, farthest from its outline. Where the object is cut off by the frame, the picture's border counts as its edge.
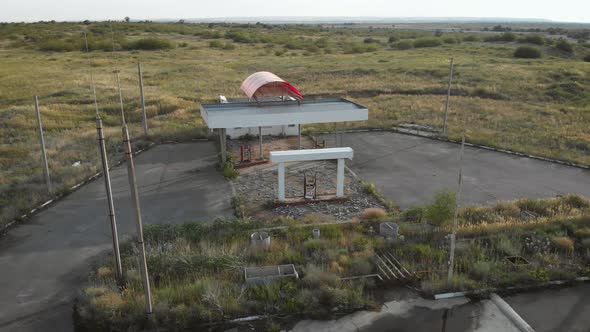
(279, 113)
(282, 157)
(284, 115)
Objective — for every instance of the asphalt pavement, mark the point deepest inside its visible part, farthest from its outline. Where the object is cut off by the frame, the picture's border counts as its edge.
(47, 259)
(409, 170)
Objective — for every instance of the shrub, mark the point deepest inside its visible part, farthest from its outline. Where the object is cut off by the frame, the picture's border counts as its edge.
(374, 214)
(392, 39)
(505, 37)
(414, 213)
(404, 45)
(564, 46)
(527, 52)
(427, 42)
(57, 45)
(587, 58)
(533, 39)
(441, 210)
(481, 270)
(359, 266)
(215, 44)
(449, 40)
(471, 38)
(229, 172)
(507, 247)
(540, 275)
(150, 44)
(563, 243)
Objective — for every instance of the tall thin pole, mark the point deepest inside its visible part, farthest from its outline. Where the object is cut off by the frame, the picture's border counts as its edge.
(43, 150)
(109, 192)
(299, 135)
(144, 116)
(261, 151)
(120, 98)
(456, 213)
(137, 208)
(448, 97)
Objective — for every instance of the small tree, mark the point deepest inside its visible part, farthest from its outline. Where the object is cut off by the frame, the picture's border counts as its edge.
(442, 208)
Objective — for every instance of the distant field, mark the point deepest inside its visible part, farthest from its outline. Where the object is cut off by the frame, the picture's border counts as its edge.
(538, 106)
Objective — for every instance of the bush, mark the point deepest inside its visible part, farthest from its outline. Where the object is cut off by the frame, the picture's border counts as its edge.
(564, 46)
(229, 172)
(527, 52)
(563, 243)
(441, 210)
(449, 40)
(587, 58)
(58, 45)
(481, 270)
(533, 39)
(392, 39)
(150, 44)
(471, 38)
(374, 214)
(427, 42)
(404, 45)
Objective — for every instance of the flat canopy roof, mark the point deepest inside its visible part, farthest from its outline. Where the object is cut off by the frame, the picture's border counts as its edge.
(253, 114)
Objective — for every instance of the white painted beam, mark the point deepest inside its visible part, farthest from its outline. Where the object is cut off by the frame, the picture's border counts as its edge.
(311, 154)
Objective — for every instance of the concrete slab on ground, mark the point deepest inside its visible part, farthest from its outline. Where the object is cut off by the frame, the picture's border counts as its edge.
(409, 170)
(553, 310)
(47, 259)
(416, 315)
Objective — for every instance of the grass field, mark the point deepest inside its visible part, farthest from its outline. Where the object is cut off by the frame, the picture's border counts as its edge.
(537, 106)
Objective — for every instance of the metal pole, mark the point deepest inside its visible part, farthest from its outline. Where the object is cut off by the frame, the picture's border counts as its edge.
(222, 145)
(299, 137)
(454, 234)
(109, 192)
(144, 118)
(261, 153)
(448, 97)
(43, 151)
(135, 199)
(123, 122)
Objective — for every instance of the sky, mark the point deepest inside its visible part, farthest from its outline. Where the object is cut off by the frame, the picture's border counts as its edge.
(79, 10)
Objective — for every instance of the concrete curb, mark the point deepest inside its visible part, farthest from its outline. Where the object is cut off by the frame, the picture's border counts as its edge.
(474, 145)
(507, 310)
(18, 220)
(512, 288)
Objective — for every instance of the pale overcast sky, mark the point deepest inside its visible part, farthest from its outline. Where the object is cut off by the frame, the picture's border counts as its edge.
(77, 10)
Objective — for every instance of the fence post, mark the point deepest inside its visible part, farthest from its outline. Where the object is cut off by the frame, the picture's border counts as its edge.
(455, 214)
(43, 151)
(448, 97)
(109, 192)
(139, 223)
(144, 116)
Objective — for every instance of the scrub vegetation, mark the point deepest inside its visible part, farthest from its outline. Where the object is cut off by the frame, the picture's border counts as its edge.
(537, 106)
(197, 272)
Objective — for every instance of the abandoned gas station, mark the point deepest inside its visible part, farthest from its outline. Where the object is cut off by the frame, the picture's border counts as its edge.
(274, 105)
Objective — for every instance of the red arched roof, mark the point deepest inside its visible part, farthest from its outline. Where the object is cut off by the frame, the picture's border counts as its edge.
(264, 83)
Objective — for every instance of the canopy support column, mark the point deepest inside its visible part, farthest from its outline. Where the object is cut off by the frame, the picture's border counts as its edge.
(260, 143)
(281, 176)
(340, 178)
(222, 145)
(299, 135)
